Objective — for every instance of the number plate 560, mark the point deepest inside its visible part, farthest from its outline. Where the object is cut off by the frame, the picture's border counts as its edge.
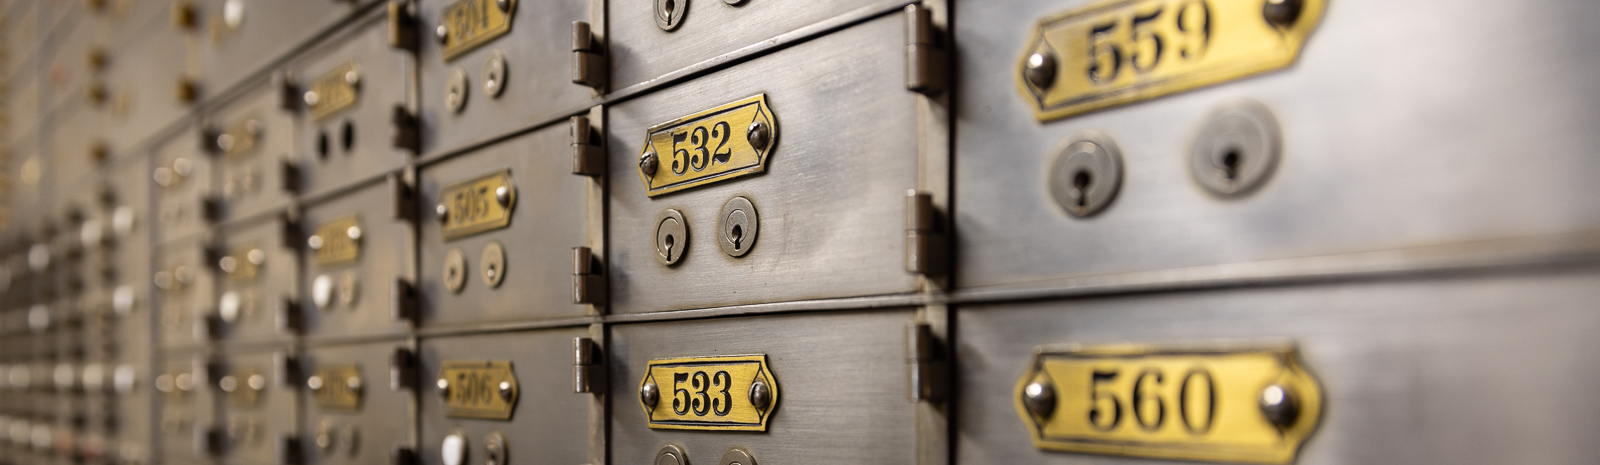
(735, 393)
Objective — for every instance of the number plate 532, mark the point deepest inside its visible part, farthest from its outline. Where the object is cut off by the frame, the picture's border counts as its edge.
(736, 393)
(1253, 405)
(722, 143)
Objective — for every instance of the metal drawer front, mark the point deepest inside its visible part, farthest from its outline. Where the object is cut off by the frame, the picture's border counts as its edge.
(535, 85)
(351, 293)
(830, 205)
(256, 275)
(1375, 154)
(548, 218)
(183, 178)
(378, 422)
(237, 37)
(250, 138)
(188, 408)
(1407, 368)
(184, 292)
(259, 410)
(547, 421)
(355, 141)
(142, 82)
(69, 66)
(840, 377)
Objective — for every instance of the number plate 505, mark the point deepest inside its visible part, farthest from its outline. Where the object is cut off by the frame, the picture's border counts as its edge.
(477, 205)
(736, 393)
(1226, 405)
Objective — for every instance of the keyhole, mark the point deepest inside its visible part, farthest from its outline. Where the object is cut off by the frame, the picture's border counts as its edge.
(666, 13)
(1230, 164)
(669, 242)
(1081, 183)
(491, 271)
(322, 144)
(736, 235)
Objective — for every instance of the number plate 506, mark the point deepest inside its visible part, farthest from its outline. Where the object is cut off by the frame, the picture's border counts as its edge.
(735, 393)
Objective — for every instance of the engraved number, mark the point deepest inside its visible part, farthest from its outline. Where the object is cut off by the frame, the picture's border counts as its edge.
(1142, 39)
(1195, 400)
(700, 400)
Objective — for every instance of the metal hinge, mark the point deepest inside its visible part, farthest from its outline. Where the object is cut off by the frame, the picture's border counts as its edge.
(289, 173)
(289, 232)
(924, 58)
(290, 319)
(588, 285)
(403, 456)
(924, 240)
(403, 300)
(208, 140)
(587, 157)
(402, 199)
(588, 373)
(588, 61)
(925, 368)
(289, 450)
(183, 15)
(211, 440)
(403, 26)
(187, 90)
(402, 369)
(407, 130)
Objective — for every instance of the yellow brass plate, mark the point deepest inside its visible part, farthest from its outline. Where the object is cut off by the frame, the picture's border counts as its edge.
(336, 90)
(474, 389)
(1116, 52)
(243, 268)
(333, 242)
(474, 206)
(240, 138)
(338, 387)
(1169, 402)
(708, 146)
(470, 23)
(709, 393)
(247, 386)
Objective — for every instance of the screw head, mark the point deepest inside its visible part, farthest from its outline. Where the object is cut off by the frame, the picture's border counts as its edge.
(648, 394)
(505, 391)
(648, 164)
(352, 77)
(444, 387)
(760, 395)
(441, 32)
(353, 382)
(502, 194)
(353, 232)
(311, 98)
(1282, 13)
(1040, 69)
(759, 135)
(441, 212)
(1040, 398)
(1280, 405)
(314, 382)
(505, 5)
(314, 242)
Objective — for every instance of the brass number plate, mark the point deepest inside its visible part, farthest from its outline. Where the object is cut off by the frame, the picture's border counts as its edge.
(245, 262)
(336, 241)
(476, 205)
(240, 138)
(337, 387)
(1225, 405)
(334, 91)
(736, 393)
(470, 23)
(1122, 51)
(478, 389)
(722, 143)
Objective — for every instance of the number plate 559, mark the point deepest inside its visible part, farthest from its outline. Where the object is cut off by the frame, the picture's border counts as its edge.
(1225, 404)
(736, 393)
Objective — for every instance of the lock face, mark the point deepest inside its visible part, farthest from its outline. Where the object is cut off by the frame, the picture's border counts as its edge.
(1237, 148)
(1086, 174)
(672, 237)
(263, 278)
(259, 405)
(183, 183)
(455, 271)
(737, 227)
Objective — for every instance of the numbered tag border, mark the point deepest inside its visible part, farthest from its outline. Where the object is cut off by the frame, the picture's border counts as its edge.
(449, 234)
(452, 411)
(449, 51)
(759, 359)
(762, 153)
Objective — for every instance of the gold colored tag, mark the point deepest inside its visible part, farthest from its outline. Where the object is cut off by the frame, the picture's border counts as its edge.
(733, 393)
(241, 137)
(719, 144)
(478, 389)
(337, 387)
(470, 23)
(244, 386)
(243, 263)
(1254, 405)
(334, 91)
(337, 241)
(1116, 52)
(478, 205)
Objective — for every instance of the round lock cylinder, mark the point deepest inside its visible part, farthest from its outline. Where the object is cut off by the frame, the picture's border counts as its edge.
(1086, 174)
(229, 307)
(492, 265)
(455, 271)
(669, 13)
(453, 449)
(672, 237)
(737, 227)
(737, 456)
(494, 74)
(494, 449)
(671, 455)
(349, 289)
(1237, 149)
(322, 292)
(455, 90)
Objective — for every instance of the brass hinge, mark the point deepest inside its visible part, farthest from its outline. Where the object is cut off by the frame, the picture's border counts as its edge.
(183, 14)
(290, 319)
(403, 456)
(588, 373)
(588, 61)
(286, 369)
(402, 199)
(402, 369)
(924, 240)
(289, 174)
(187, 90)
(924, 58)
(290, 452)
(289, 232)
(403, 300)
(587, 157)
(407, 130)
(925, 368)
(289, 95)
(588, 285)
(210, 208)
(211, 440)
(403, 27)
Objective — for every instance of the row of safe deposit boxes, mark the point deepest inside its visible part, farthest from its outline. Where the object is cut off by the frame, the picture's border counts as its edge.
(742, 232)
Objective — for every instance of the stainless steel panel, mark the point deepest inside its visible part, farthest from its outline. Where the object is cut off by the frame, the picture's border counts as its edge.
(387, 253)
(179, 203)
(74, 131)
(142, 79)
(250, 181)
(22, 37)
(241, 37)
(642, 51)
(23, 112)
(831, 203)
(370, 433)
(549, 423)
(549, 218)
(842, 378)
(329, 155)
(538, 80)
(1408, 367)
(185, 415)
(185, 292)
(254, 430)
(1382, 147)
(260, 298)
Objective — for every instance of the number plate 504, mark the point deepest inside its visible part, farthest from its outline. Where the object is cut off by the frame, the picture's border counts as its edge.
(736, 393)
(1227, 405)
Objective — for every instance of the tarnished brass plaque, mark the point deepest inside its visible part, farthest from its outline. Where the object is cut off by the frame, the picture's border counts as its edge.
(334, 91)
(243, 386)
(719, 144)
(470, 23)
(243, 263)
(1253, 405)
(478, 389)
(337, 241)
(734, 393)
(240, 137)
(337, 387)
(476, 205)
(1116, 52)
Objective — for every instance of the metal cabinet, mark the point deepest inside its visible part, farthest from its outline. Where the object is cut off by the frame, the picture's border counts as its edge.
(1371, 151)
(258, 398)
(347, 90)
(506, 396)
(826, 197)
(353, 413)
(239, 38)
(355, 254)
(497, 231)
(257, 282)
(250, 139)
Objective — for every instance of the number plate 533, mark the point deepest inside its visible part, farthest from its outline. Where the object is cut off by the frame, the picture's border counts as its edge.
(1253, 405)
(735, 393)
